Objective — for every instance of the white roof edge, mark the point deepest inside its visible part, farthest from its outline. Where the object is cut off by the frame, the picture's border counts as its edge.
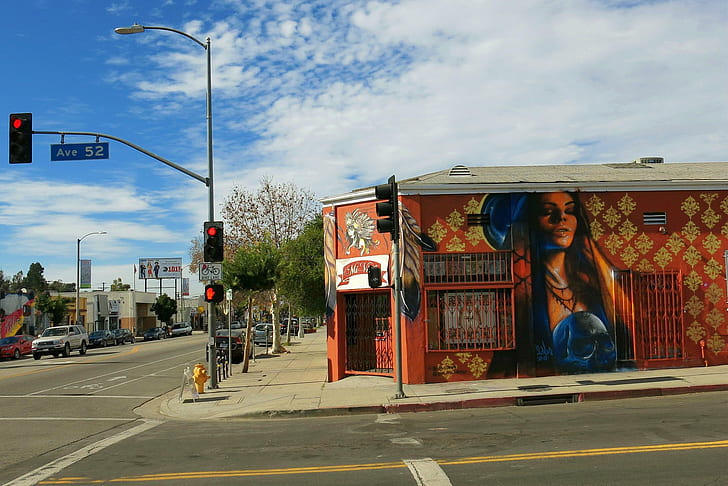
(359, 195)
(367, 194)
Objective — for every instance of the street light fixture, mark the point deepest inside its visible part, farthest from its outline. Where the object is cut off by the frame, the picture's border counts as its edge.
(137, 29)
(78, 271)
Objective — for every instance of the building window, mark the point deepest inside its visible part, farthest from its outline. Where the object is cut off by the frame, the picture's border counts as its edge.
(456, 268)
(470, 319)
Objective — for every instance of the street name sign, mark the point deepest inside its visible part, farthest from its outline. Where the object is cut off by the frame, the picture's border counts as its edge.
(79, 151)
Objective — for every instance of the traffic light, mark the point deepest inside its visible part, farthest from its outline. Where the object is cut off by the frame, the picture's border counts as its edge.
(213, 248)
(214, 293)
(388, 210)
(21, 138)
(374, 275)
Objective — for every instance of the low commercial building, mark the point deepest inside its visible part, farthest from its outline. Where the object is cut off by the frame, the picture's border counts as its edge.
(533, 271)
(127, 309)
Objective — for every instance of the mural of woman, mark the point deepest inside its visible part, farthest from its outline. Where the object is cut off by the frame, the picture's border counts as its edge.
(572, 282)
(573, 319)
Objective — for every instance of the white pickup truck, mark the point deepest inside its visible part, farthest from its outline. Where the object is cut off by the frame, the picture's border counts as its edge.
(181, 329)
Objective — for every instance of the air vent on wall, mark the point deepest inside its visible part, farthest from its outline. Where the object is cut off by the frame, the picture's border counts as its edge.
(655, 218)
(460, 171)
(478, 219)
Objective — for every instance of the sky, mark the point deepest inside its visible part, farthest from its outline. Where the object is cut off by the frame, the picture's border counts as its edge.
(331, 95)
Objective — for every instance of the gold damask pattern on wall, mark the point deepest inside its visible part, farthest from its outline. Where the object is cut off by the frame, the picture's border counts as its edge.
(452, 232)
(694, 247)
(471, 364)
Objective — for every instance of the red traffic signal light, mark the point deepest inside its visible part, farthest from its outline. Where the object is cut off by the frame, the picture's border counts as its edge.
(213, 248)
(21, 138)
(214, 293)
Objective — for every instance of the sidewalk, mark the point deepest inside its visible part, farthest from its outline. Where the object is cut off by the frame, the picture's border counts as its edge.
(294, 384)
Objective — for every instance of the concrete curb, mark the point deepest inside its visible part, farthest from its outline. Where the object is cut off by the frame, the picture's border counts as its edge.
(513, 401)
(294, 385)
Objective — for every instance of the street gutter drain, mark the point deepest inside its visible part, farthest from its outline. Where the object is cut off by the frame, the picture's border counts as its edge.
(547, 399)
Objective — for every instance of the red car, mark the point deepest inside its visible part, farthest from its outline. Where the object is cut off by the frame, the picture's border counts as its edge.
(15, 346)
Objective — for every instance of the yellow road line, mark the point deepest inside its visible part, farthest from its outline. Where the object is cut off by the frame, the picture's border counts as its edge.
(589, 452)
(393, 465)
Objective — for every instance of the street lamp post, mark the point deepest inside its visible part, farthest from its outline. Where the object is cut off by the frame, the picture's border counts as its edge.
(78, 271)
(137, 29)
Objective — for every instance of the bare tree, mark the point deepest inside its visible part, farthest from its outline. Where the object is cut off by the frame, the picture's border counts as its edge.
(280, 211)
(276, 213)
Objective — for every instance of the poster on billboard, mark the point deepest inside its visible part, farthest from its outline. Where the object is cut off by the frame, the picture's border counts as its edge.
(160, 268)
(85, 274)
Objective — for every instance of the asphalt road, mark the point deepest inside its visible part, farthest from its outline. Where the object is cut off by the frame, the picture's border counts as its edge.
(666, 440)
(51, 403)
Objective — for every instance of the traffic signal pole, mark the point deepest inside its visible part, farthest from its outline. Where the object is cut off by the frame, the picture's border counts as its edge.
(389, 211)
(212, 358)
(205, 180)
(397, 320)
(20, 151)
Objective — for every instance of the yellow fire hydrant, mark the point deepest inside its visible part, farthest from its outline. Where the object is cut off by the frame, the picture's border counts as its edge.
(200, 377)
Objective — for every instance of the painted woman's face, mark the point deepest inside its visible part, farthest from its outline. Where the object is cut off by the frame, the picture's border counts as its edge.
(557, 219)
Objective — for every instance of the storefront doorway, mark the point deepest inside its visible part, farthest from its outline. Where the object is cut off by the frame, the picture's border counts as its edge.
(369, 334)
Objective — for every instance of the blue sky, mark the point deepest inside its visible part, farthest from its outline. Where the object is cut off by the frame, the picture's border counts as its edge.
(331, 95)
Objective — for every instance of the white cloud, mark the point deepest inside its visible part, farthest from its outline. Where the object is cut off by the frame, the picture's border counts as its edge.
(339, 95)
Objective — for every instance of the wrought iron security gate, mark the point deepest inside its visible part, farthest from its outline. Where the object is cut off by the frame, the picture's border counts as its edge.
(651, 310)
(368, 333)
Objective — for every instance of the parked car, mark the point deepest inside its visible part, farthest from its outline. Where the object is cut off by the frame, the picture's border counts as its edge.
(16, 346)
(101, 338)
(59, 340)
(155, 333)
(232, 325)
(294, 326)
(238, 325)
(181, 329)
(123, 336)
(263, 333)
(235, 339)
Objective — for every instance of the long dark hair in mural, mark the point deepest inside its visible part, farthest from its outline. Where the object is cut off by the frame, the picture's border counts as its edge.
(573, 319)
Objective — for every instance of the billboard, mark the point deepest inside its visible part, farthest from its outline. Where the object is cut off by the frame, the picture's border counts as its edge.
(157, 268)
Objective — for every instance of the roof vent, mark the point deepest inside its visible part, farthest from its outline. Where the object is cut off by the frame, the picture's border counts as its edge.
(649, 160)
(459, 171)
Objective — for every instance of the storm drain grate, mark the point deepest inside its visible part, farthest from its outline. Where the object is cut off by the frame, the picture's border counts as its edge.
(547, 399)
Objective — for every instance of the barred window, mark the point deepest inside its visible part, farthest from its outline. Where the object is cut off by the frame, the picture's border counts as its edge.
(477, 319)
(493, 267)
